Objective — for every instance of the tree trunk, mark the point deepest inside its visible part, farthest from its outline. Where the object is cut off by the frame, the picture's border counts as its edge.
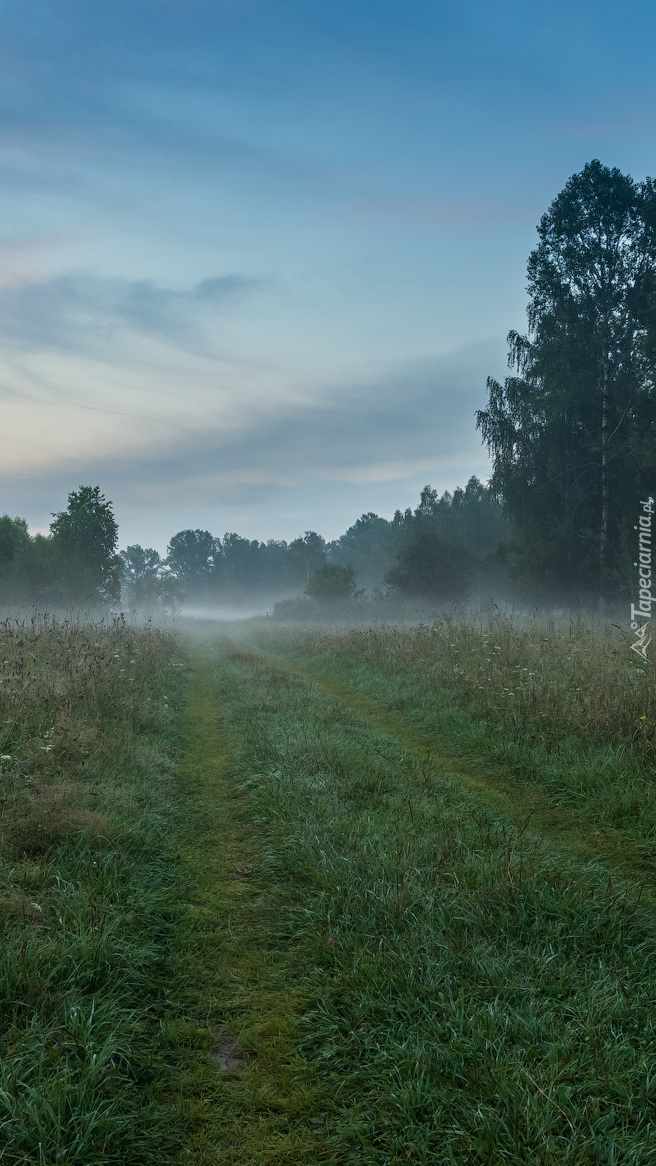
(603, 526)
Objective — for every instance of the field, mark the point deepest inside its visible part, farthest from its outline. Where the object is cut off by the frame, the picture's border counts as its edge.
(374, 896)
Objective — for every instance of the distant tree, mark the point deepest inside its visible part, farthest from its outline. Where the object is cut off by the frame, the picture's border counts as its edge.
(84, 537)
(143, 577)
(247, 570)
(192, 557)
(331, 584)
(570, 431)
(278, 572)
(308, 553)
(38, 572)
(242, 566)
(429, 567)
(369, 546)
(15, 545)
(472, 517)
(14, 537)
(170, 592)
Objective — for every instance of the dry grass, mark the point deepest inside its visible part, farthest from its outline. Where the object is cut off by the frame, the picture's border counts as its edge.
(554, 677)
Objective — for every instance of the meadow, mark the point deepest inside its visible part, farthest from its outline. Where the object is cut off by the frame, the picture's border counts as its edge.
(373, 895)
(85, 730)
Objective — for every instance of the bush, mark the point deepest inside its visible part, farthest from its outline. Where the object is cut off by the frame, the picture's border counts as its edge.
(331, 584)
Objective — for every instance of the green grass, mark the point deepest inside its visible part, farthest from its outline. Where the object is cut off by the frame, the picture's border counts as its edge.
(245, 1094)
(474, 992)
(149, 1003)
(558, 717)
(320, 897)
(85, 876)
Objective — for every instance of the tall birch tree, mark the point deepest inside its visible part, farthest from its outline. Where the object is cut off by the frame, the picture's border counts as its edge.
(567, 428)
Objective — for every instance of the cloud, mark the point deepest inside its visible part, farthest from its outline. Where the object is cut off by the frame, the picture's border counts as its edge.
(380, 428)
(412, 416)
(369, 443)
(75, 312)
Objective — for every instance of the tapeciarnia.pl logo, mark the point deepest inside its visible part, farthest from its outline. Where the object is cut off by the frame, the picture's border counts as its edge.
(641, 611)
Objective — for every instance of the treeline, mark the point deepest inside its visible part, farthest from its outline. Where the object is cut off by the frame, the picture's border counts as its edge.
(441, 550)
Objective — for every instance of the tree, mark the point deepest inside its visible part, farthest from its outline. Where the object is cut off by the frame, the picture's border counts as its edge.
(14, 537)
(142, 576)
(242, 560)
(429, 567)
(331, 584)
(566, 431)
(308, 553)
(15, 545)
(191, 556)
(471, 517)
(369, 546)
(85, 536)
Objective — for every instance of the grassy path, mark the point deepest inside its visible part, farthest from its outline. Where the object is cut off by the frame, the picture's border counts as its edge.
(631, 864)
(409, 976)
(243, 1088)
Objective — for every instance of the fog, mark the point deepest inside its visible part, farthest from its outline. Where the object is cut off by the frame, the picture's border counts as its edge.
(224, 613)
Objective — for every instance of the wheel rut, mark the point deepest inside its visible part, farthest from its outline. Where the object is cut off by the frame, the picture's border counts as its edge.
(235, 1033)
(526, 808)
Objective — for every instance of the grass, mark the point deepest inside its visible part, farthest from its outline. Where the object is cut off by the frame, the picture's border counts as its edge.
(133, 933)
(474, 992)
(85, 875)
(280, 900)
(245, 1094)
(559, 716)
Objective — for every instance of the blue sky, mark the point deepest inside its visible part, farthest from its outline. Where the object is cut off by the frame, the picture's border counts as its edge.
(258, 258)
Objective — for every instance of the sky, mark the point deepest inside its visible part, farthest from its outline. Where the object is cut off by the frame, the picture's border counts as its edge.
(258, 257)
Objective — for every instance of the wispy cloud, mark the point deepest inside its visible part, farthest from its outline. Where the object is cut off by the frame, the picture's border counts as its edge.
(397, 421)
(76, 311)
(363, 444)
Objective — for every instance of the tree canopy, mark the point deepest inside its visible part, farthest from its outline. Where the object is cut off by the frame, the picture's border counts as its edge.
(568, 430)
(331, 584)
(85, 538)
(432, 568)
